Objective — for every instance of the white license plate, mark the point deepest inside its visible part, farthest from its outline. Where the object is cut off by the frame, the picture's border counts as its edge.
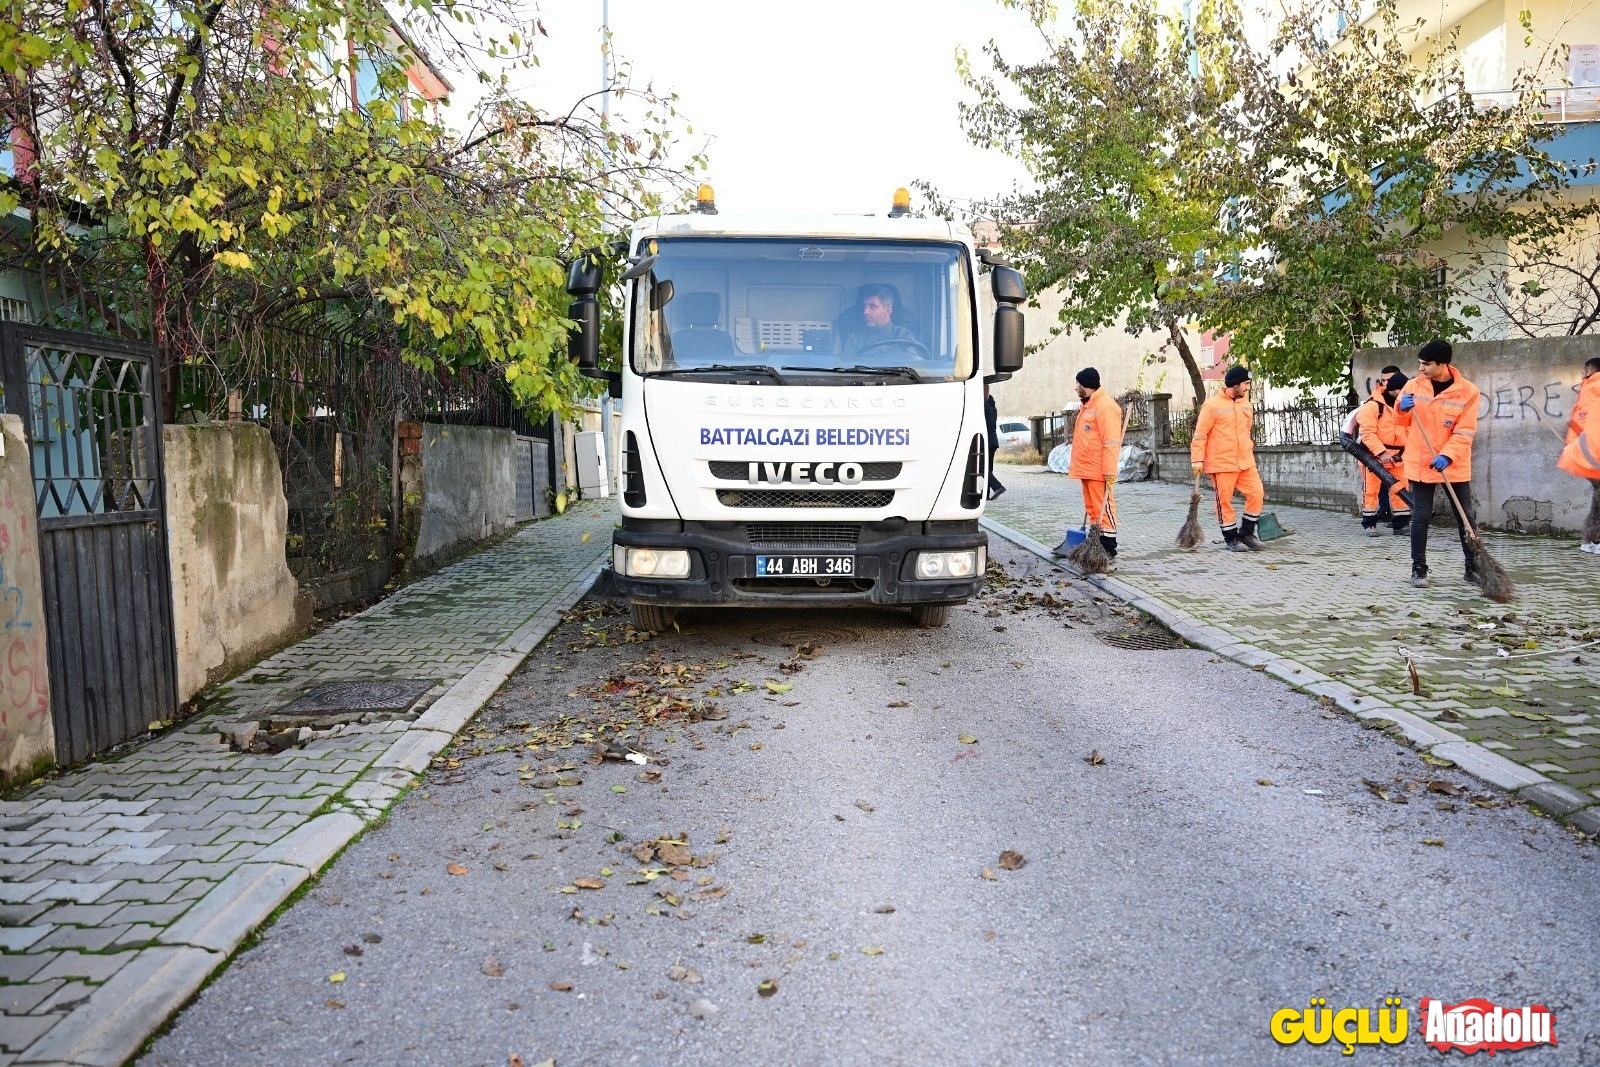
(805, 566)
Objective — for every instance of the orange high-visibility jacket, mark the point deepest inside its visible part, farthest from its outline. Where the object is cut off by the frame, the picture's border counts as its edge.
(1586, 407)
(1449, 420)
(1222, 435)
(1096, 438)
(1375, 425)
(1582, 454)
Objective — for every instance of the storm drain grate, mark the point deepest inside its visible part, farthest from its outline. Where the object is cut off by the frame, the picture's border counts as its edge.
(1142, 640)
(395, 694)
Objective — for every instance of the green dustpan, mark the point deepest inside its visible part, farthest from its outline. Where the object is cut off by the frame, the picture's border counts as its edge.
(1268, 528)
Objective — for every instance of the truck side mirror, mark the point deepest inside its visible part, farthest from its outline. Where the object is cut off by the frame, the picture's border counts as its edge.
(1007, 285)
(583, 338)
(1009, 291)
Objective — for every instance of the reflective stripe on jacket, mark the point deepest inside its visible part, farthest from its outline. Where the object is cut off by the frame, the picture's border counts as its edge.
(1447, 420)
(1222, 435)
(1096, 438)
(1581, 457)
(1585, 407)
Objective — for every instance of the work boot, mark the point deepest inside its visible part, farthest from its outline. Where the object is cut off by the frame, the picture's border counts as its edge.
(1419, 577)
(1110, 544)
(1402, 528)
(1247, 536)
(1472, 577)
(1372, 531)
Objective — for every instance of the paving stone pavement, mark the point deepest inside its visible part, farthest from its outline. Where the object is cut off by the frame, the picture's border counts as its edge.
(1514, 678)
(125, 883)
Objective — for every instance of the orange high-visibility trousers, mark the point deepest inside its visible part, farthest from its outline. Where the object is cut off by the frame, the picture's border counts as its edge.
(1369, 501)
(1248, 482)
(1094, 499)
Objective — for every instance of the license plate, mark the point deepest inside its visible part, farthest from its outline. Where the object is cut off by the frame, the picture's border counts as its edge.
(805, 566)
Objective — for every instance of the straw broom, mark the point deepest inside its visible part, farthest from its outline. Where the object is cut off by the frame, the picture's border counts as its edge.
(1091, 556)
(1189, 537)
(1492, 577)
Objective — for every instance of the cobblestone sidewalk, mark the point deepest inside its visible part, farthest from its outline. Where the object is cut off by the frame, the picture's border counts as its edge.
(123, 885)
(1514, 678)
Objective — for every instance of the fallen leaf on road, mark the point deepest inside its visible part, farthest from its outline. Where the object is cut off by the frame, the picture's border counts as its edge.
(456, 868)
(589, 883)
(493, 967)
(1436, 842)
(779, 687)
(884, 909)
(967, 739)
(899, 703)
(673, 853)
(808, 651)
(1263, 781)
(1485, 802)
(372, 939)
(352, 950)
(561, 987)
(864, 806)
(1381, 793)
(335, 1003)
(1094, 759)
(680, 973)
(1436, 761)
(1012, 861)
(584, 539)
(767, 988)
(336, 977)
(990, 875)
(757, 939)
(1449, 789)
(872, 950)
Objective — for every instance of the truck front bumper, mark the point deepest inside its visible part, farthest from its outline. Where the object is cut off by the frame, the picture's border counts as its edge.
(722, 565)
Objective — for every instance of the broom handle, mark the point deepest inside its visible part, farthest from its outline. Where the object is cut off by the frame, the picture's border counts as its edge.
(1455, 500)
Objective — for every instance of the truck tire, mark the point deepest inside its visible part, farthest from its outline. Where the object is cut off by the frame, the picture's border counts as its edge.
(654, 617)
(930, 616)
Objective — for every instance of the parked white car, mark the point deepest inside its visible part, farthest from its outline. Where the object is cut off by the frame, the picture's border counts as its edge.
(1014, 434)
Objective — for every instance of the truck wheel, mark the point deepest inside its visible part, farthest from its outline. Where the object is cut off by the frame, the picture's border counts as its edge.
(651, 616)
(930, 616)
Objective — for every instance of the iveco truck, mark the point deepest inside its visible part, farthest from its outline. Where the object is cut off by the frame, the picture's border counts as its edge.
(802, 409)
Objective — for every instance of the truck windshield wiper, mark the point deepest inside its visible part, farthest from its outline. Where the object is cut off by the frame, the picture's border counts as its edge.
(724, 368)
(862, 368)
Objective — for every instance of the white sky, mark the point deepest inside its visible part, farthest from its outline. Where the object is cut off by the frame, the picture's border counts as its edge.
(815, 106)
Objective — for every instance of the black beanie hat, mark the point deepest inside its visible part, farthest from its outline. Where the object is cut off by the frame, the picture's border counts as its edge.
(1234, 376)
(1089, 378)
(1437, 351)
(1396, 382)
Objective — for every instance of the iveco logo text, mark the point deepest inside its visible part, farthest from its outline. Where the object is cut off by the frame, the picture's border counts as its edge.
(807, 403)
(806, 473)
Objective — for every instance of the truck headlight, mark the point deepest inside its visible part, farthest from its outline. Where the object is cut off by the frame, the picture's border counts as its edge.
(651, 562)
(960, 564)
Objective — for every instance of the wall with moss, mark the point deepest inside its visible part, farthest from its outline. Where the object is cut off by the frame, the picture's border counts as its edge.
(233, 598)
(27, 734)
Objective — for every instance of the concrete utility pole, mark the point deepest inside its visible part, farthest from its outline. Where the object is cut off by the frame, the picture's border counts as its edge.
(612, 464)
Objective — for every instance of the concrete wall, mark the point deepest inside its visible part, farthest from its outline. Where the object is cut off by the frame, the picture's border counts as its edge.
(467, 489)
(1125, 361)
(1529, 387)
(27, 734)
(1313, 476)
(233, 597)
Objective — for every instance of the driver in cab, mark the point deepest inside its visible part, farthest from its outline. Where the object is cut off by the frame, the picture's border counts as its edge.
(876, 327)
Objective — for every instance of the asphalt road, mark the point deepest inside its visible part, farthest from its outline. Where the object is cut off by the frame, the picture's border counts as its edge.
(1226, 859)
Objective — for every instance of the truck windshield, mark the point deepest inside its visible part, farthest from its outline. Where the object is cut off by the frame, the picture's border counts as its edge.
(821, 311)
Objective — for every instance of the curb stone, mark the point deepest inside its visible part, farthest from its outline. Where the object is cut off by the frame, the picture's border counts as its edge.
(1575, 808)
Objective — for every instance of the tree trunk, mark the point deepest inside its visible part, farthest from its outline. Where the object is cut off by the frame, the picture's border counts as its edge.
(1198, 383)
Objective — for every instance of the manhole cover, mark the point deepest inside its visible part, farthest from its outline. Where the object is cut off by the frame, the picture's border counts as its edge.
(1142, 640)
(802, 635)
(390, 695)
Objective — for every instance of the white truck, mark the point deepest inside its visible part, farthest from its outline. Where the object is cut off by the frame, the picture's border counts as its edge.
(802, 409)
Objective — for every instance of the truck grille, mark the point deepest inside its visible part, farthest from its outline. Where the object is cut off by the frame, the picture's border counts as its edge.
(805, 498)
(733, 471)
(791, 534)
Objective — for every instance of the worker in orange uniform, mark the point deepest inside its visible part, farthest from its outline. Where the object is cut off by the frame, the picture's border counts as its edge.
(1097, 453)
(1376, 429)
(1438, 410)
(1585, 419)
(1222, 448)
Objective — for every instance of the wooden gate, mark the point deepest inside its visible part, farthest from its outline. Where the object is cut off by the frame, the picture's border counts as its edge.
(91, 409)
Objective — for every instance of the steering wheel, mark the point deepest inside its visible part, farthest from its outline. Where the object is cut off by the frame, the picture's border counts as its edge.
(927, 353)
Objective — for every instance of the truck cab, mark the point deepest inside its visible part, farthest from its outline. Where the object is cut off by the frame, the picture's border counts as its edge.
(803, 409)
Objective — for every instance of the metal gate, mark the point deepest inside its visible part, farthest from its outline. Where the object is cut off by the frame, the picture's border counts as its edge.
(91, 409)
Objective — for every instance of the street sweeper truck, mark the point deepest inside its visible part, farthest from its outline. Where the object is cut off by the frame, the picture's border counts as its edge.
(802, 408)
